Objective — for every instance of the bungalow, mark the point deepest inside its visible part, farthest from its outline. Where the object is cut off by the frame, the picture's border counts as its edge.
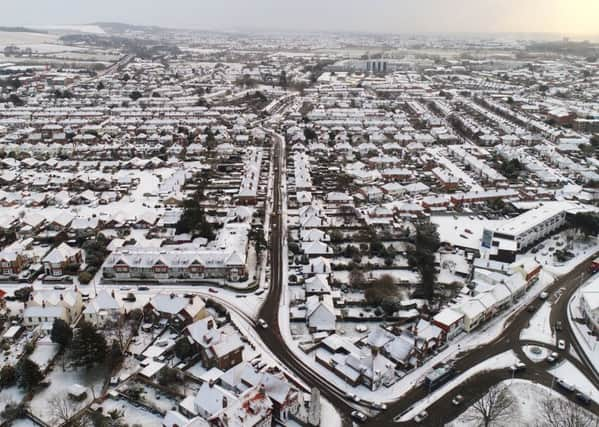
(320, 314)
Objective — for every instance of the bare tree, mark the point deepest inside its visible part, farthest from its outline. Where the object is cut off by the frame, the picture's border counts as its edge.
(559, 412)
(63, 409)
(495, 406)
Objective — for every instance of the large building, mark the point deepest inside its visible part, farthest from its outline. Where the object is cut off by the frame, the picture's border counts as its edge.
(523, 231)
(224, 258)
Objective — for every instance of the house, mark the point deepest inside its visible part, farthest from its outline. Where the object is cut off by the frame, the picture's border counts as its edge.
(218, 347)
(61, 258)
(43, 307)
(474, 313)
(451, 321)
(175, 308)
(102, 309)
(320, 314)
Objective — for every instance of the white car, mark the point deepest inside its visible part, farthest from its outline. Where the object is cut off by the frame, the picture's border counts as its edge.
(262, 323)
(561, 344)
(543, 295)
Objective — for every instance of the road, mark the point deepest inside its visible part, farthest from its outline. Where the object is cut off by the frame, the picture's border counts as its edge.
(272, 336)
(473, 389)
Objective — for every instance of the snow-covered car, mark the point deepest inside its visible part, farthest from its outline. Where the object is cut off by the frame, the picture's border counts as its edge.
(543, 295)
(561, 344)
(262, 323)
(359, 416)
(421, 417)
(552, 358)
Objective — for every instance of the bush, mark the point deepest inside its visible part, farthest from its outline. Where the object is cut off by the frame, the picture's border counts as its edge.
(85, 277)
(8, 376)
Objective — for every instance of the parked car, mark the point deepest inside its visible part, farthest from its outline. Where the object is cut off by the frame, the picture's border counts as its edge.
(566, 386)
(359, 416)
(457, 400)
(583, 398)
(421, 417)
(543, 295)
(558, 325)
(214, 291)
(379, 406)
(561, 344)
(262, 323)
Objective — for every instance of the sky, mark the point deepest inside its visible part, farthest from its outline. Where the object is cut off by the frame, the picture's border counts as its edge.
(396, 16)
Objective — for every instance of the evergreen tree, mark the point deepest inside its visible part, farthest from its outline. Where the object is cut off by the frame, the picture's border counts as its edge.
(28, 374)
(61, 334)
(88, 347)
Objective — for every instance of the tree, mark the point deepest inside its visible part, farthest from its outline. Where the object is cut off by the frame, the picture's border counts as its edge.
(310, 134)
(559, 412)
(168, 376)
(183, 348)
(29, 374)
(61, 334)
(63, 409)
(422, 256)
(585, 222)
(8, 376)
(88, 347)
(356, 278)
(22, 294)
(193, 219)
(135, 95)
(495, 406)
(85, 277)
(380, 290)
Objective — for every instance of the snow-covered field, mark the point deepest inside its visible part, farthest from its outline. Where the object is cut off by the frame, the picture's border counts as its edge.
(528, 398)
(539, 328)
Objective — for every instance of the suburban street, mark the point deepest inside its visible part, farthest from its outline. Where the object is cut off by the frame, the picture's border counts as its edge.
(472, 389)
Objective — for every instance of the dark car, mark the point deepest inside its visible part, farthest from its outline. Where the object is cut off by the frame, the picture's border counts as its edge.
(583, 398)
(558, 325)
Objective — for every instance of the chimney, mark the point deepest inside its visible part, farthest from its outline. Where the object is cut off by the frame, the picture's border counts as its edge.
(211, 383)
(225, 402)
(210, 324)
(191, 300)
(61, 296)
(112, 293)
(172, 296)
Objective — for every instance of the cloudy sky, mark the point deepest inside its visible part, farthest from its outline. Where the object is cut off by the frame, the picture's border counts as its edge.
(563, 16)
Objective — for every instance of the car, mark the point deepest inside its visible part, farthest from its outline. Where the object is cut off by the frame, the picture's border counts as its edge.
(60, 287)
(143, 288)
(214, 291)
(517, 367)
(558, 325)
(457, 400)
(566, 386)
(379, 406)
(262, 323)
(552, 358)
(543, 295)
(561, 344)
(129, 297)
(259, 292)
(359, 416)
(421, 417)
(125, 288)
(583, 398)
(531, 308)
